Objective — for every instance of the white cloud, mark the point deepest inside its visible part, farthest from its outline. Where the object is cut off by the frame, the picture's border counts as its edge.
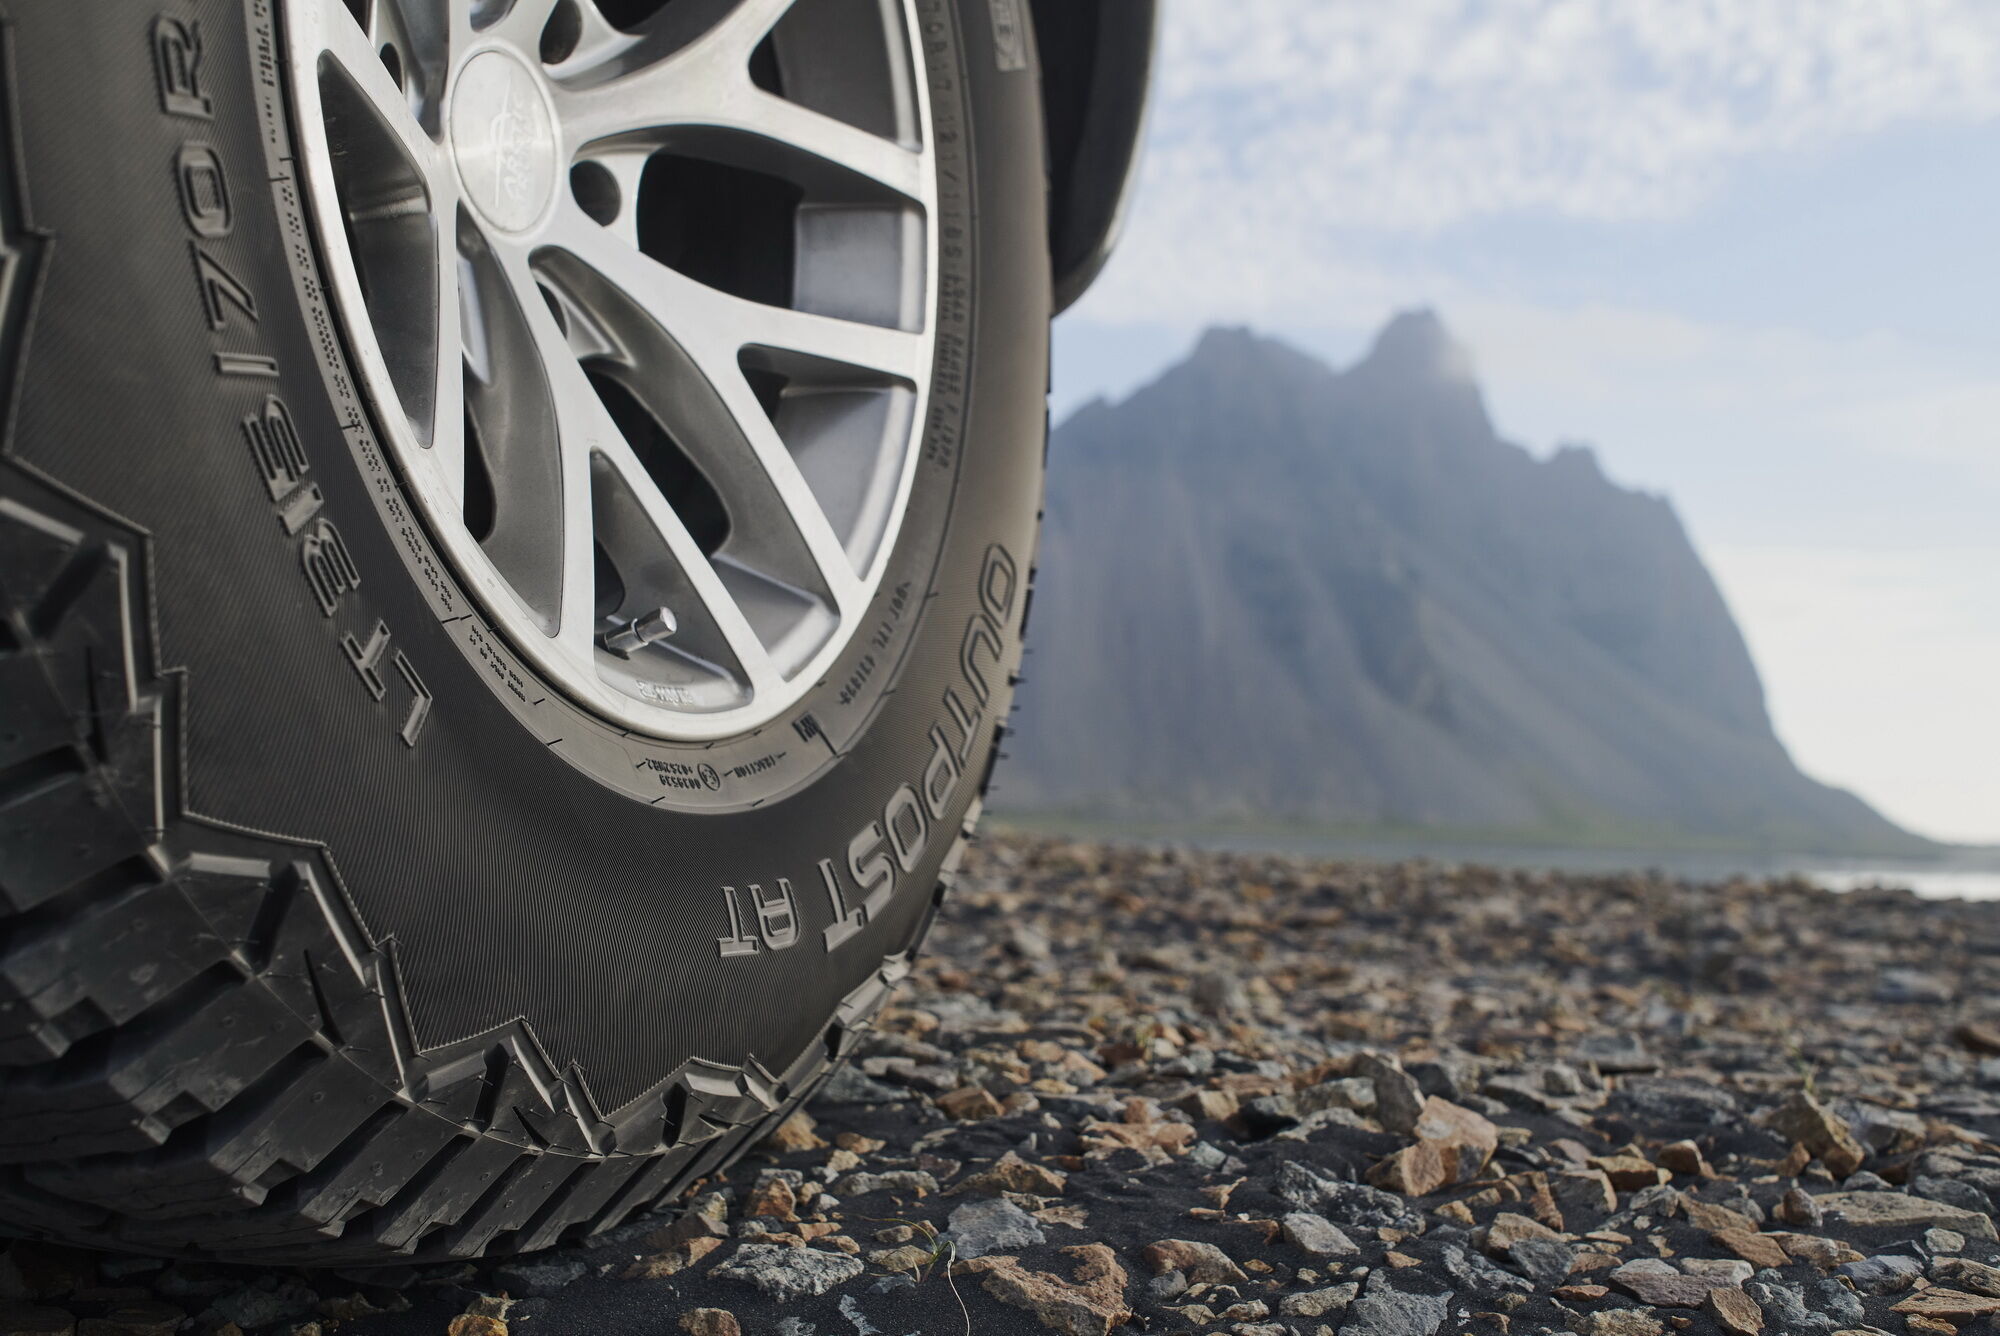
(1284, 127)
(1880, 668)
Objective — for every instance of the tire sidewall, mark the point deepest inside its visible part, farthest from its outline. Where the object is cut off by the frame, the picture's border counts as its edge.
(636, 903)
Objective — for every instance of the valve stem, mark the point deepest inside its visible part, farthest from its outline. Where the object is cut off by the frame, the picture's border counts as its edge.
(640, 632)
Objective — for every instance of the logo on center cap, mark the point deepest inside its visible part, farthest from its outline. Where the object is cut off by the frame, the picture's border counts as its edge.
(503, 140)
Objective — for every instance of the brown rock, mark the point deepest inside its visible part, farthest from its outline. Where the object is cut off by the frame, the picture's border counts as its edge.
(1089, 1304)
(1713, 1219)
(1453, 1145)
(1159, 1141)
(1199, 1262)
(1628, 1173)
(710, 1322)
(1509, 1229)
(1683, 1157)
(1654, 1282)
(1011, 1173)
(909, 1257)
(1455, 1212)
(1415, 1171)
(1442, 1121)
(1898, 1211)
(1734, 1311)
(1400, 1261)
(1918, 1323)
(860, 1145)
(673, 1261)
(794, 1134)
(1214, 1105)
(1541, 1201)
(693, 1225)
(1821, 1252)
(970, 1104)
(1965, 1274)
(1759, 1250)
(476, 1324)
(1979, 1036)
(772, 1197)
(1937, 1301)
(1623, 1322)
(1822, 1132)
(1581, 1294)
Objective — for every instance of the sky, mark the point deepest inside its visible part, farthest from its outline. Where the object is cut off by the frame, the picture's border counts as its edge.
(1745, 249)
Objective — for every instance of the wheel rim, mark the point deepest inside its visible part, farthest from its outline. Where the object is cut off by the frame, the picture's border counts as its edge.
(642, 293)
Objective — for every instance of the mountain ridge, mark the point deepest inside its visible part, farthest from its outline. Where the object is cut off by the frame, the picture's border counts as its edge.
(1274, 589)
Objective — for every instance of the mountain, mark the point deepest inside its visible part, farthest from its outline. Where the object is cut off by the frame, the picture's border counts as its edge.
(1274, 592)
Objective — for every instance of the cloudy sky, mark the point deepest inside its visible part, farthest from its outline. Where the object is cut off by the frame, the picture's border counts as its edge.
(1745, 248)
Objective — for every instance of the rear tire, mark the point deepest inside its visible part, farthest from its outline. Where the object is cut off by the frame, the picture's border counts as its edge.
(333, 929)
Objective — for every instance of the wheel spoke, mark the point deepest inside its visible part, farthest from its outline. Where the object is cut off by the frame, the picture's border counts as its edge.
(642, 317)
(713, 329)
(646, 94)
(356, 53)
(585, 431)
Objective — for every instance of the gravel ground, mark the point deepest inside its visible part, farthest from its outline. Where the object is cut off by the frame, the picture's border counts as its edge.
(1170, 1092)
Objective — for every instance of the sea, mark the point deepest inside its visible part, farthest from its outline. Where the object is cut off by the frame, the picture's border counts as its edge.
(1970, 874)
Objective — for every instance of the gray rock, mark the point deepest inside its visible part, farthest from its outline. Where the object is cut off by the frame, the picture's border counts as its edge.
(1386, 1312)
(1318, 1303)
(1398, 1100)
(1911, 986)
(1944, 1240)
(786, 1274)
(1668, 1099)
(1472, 1271)
(1827, 1295)
(533, 1279)
(991, 1225)
(1171, 1285)
(914, 1182)
(850, 1308)
(847, 1085)
(254, 1306)
(1206, 1156)
(1908, 1214)
(1221, 994)
(1952, 1193)
(1615, 1054)
(1886, 1274)
(1350, 1205)
(797, 1326)
(1316, 1236)
(1785, 1307)
(1545, 1261)
(889, 1284)
(1867, 1181)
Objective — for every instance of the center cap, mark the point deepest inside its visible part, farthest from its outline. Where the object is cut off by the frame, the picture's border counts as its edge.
(503, 140)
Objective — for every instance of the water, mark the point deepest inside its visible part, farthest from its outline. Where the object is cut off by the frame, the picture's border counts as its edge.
(1962, 875)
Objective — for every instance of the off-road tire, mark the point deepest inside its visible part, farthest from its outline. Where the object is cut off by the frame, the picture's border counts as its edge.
(277, 984)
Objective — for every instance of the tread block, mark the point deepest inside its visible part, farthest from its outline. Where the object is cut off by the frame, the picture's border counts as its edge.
(89, 964)
(56, 833)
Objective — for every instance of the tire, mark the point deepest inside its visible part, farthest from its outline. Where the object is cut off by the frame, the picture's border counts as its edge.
(331, 931)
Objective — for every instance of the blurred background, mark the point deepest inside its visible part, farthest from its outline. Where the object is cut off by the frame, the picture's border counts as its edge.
(1553, 432)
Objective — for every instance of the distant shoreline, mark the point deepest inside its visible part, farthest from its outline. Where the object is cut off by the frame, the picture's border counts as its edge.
(1938, 869)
